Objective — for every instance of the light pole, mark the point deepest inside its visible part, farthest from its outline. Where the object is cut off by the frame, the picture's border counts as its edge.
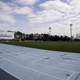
(71, 31)
(49, 30)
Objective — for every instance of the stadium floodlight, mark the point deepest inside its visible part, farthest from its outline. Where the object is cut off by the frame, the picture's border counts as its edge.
(71, 31)
(50, 30)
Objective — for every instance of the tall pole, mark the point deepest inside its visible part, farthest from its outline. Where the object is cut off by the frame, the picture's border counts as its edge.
(49, 30)
(71, 31)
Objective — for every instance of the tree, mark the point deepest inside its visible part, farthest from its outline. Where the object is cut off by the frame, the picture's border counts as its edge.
(18, 35)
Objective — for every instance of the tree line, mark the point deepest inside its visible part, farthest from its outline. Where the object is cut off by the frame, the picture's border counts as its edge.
(42, 37)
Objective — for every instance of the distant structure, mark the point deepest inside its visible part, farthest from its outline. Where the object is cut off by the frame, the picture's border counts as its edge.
(71, 31)
(78, 36)
(50, 30)
(7, 34)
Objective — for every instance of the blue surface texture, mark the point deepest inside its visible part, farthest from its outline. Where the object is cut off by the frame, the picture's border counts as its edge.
(36, 64)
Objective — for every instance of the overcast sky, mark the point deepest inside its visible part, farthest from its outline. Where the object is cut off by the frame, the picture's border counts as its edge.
(38, 15)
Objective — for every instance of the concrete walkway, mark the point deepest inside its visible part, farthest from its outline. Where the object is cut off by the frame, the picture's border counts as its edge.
(36, 64)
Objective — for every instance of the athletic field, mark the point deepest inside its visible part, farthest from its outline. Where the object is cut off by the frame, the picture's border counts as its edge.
(55, 46)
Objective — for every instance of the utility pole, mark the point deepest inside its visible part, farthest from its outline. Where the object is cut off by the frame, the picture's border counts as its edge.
(71, 31)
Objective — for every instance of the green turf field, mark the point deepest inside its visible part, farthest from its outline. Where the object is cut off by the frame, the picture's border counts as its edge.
(56, 46)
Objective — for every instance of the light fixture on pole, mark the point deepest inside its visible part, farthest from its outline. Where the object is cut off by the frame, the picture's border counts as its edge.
(71, 31)
(49, 30)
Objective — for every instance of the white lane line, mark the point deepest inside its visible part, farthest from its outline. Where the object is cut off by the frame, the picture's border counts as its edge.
(48, 66)
(31, 69)
(12, 74)
(45, 64)
(71, 76)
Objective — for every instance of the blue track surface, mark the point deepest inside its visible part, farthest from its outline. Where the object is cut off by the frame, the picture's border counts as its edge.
(36, 64)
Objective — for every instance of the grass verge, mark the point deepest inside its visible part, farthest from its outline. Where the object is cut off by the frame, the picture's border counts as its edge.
(56, 46)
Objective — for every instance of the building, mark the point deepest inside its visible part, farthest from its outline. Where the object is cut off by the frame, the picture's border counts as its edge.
(7, 34)
(78, 36)
(37, 36)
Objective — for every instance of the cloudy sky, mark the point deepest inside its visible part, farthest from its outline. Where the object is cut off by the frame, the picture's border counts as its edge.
(38, 15)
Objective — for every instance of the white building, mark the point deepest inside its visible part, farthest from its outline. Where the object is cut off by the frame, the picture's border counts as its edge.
(78, 36)
(7, 35)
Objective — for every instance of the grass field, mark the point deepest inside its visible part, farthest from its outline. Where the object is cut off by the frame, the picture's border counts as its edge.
(56, 46)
